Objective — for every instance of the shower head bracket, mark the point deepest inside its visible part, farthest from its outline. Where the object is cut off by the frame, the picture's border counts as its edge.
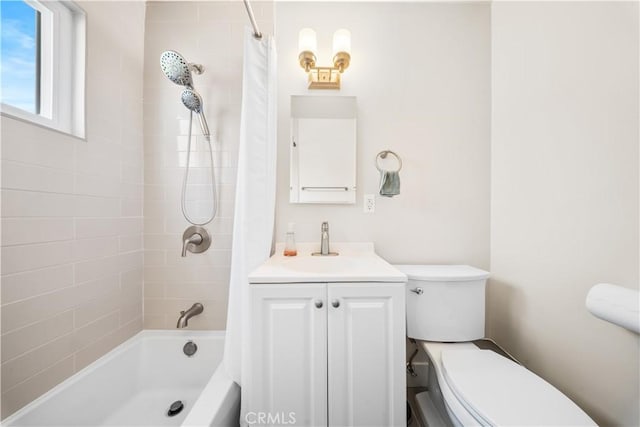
(196, 68)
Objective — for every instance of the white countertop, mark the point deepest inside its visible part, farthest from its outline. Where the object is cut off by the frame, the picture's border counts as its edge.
(356, 262)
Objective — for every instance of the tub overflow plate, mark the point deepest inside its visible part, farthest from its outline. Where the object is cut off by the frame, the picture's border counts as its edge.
(190, 348)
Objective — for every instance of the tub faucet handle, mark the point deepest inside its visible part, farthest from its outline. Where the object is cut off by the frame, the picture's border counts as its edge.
(195, 239)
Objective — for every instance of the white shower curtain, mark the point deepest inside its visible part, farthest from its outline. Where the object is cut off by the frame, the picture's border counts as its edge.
(255, 190)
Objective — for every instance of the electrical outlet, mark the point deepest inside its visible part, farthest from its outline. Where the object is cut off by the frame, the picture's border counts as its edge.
(369, 203)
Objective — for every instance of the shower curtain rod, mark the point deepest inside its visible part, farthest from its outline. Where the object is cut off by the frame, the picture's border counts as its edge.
(256, 31)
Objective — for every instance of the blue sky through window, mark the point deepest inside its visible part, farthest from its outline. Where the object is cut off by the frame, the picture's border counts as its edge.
(18, 55)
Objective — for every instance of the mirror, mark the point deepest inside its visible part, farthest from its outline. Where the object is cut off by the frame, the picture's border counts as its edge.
(323, 149)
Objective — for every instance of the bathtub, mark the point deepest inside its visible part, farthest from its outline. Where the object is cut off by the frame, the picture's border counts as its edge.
(136, 383)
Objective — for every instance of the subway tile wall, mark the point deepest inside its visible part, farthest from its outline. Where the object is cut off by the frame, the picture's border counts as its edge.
(211, 34)
(72, 226)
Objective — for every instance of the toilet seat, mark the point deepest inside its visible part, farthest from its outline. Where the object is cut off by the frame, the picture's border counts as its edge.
(493, 390)
(501, 392)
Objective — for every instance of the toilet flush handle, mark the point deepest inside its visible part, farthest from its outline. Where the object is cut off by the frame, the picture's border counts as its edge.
(418, 291)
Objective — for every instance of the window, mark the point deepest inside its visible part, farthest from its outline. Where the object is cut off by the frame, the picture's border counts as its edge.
(20, 56)
(42, 63)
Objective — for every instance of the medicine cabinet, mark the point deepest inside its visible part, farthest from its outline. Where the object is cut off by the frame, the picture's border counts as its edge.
(323, 149)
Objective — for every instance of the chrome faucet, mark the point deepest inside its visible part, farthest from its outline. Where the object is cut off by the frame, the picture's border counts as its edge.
(183, 320)
(324, 239)
(324, 242)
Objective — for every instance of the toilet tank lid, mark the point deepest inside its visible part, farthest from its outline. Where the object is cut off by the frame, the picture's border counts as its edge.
(443, 273)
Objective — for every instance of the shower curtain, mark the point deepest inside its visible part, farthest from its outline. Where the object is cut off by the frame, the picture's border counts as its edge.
(255, 190)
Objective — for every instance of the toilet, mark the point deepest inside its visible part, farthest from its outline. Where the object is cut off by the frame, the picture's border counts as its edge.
(468, 385)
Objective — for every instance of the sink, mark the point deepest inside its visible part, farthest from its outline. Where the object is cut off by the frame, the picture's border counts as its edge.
(356, 263)
(324, 264)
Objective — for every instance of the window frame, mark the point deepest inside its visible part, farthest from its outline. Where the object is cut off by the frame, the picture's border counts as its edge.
(61, 60)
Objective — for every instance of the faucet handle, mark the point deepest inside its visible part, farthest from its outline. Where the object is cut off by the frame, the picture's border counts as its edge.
(195, 239)
(325, 226)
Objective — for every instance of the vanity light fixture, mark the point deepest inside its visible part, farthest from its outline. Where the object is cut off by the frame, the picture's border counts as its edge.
(324, 77)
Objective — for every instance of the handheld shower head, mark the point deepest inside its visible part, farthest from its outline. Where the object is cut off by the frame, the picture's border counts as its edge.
(176, 68)
(193, 102)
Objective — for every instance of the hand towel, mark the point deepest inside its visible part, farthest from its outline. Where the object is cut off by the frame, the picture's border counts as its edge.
(389, 183)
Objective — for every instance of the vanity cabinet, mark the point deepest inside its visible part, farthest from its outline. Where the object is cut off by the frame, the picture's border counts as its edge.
(327, 354)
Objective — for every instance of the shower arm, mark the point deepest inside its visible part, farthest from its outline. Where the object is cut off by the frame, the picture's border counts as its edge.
(256, 31)
(196, 68)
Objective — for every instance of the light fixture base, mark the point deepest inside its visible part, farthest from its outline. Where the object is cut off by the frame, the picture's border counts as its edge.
(324, 78)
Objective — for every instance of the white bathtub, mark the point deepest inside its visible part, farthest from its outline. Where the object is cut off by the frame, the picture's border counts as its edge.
(135, 384)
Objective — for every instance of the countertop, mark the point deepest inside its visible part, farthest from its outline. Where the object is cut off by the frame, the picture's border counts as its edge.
(356, 262)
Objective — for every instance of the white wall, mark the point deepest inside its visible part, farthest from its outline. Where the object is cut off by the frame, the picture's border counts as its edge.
(212, 34)
(72, 220)
(565, 194)
(421, 75)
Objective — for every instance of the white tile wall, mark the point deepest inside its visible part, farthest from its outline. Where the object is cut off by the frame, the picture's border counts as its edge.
(209, 33)
(72, 246)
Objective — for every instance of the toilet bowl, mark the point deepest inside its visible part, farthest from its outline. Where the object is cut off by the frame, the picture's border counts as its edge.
(468, 385)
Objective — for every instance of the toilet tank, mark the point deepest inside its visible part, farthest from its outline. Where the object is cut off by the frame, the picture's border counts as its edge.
(445, 302)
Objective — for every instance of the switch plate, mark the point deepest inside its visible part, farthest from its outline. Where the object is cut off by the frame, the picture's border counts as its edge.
(369, 203)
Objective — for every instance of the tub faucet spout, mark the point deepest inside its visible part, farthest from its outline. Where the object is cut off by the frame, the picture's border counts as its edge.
(183, 320)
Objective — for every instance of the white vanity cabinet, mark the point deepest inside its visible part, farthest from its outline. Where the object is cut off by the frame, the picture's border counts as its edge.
(287, 373)
(327, 353)
(366, 354)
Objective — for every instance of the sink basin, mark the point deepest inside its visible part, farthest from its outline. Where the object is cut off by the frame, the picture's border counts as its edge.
(356, 263)
(324, 264)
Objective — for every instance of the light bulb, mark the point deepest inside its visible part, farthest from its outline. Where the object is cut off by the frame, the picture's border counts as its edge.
(342, 41)
(307, 41)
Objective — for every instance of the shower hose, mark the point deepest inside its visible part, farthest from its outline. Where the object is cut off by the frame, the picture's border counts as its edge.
(183, 202)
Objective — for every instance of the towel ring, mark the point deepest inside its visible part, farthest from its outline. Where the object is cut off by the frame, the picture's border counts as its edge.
(383, 155)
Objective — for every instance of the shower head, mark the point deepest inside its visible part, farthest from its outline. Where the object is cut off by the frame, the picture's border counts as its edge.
(192, 100)
(176, 68)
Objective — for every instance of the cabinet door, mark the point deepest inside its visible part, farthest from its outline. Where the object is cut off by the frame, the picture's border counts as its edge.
(288, 355)
(366, 347)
